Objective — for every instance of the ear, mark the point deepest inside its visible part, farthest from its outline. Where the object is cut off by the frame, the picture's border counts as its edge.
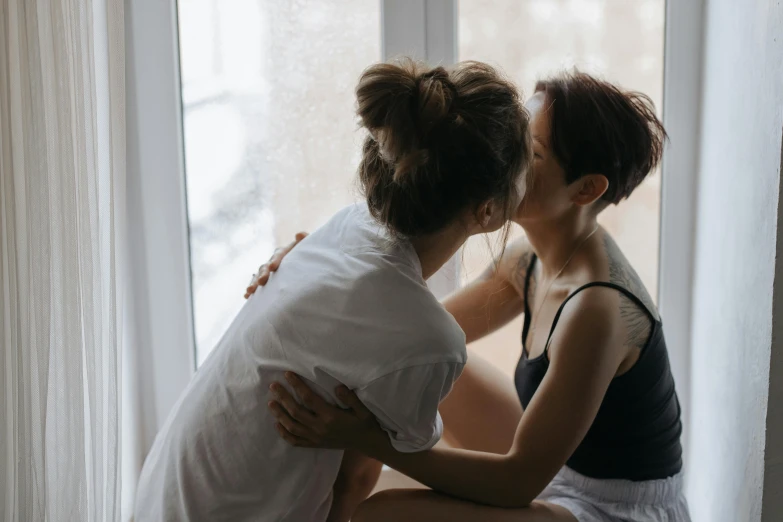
(487, 214)
(589, 188)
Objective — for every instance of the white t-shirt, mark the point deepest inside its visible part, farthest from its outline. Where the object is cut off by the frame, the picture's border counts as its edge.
(348, 305)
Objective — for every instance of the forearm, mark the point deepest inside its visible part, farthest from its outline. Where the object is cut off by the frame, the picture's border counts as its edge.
(484, 306)
(484, 478)
(355, 481)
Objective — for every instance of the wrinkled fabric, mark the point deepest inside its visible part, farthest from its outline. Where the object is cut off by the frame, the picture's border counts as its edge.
(348, 305)
(598, 500)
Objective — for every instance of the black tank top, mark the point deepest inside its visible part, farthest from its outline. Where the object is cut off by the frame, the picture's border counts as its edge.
(636, 433)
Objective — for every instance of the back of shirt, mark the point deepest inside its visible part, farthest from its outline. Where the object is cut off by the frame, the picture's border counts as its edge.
(348, 305)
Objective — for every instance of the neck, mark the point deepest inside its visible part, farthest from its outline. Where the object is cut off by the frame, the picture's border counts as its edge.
(435, 249)
(555, 240)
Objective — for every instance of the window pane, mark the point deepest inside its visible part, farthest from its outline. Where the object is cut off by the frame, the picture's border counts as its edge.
(271, 141)
(620, 41)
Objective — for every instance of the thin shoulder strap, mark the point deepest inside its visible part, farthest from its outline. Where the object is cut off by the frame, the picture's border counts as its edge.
(619, 288)
(526, 323)
(527, 278)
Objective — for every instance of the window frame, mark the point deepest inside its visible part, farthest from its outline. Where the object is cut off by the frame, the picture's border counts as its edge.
(160, 288)
(160, 275)
(682, 80)
(425, 30)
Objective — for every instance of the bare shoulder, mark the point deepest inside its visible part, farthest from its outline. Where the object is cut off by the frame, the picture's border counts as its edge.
(585, 354)
(590, 331)
(515, 262)
(635, 318)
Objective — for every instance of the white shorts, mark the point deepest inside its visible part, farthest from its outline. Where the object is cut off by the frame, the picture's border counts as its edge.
(599, 500)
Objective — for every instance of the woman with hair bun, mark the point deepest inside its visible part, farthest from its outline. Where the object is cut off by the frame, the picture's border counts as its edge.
(445, 157)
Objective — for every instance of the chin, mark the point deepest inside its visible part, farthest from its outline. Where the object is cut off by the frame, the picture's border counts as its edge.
(526, 220)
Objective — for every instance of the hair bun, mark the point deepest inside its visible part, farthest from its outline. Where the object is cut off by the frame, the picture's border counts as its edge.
(401, 104)
(439, 142)
(436, 94)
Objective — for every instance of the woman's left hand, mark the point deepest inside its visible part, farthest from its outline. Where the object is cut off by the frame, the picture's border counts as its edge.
(314, 423)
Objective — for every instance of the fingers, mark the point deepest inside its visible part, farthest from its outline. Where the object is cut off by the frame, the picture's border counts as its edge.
(252, 286)
(292, 439)
(290, 424)
(277, 257)
(263, 274)
(308, 397)
(351, 400)
(280, 253)
(250, 290)
(294, 409)
(261, 278)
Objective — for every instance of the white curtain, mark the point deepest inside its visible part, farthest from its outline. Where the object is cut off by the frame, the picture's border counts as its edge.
(62, 161)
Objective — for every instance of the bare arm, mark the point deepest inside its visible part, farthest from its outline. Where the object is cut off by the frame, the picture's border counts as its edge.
(494, 298)
(585, 355)
(355, 481)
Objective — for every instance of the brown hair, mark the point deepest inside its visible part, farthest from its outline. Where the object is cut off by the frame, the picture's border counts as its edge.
(597, 128)
(439, 142)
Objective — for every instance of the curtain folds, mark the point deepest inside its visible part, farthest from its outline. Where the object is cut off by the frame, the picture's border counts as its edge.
(62, 183)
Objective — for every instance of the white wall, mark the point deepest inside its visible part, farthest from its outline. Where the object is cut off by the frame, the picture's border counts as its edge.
(734, 267)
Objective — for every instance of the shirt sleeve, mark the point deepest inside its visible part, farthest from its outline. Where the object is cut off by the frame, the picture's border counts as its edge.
(405, 403)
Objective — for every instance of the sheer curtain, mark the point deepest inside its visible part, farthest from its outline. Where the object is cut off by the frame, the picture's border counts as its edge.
(61, 230)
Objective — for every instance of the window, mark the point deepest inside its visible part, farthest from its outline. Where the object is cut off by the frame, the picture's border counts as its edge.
(270, 137)
(619, 41)
(284, 49)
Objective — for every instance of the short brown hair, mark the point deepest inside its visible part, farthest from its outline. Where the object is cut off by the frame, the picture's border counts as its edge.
(597, 128)
(439, 141)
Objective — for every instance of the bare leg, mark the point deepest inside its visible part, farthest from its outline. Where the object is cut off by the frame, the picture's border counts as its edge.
(428, 506)
(483, 411)
(356, 479)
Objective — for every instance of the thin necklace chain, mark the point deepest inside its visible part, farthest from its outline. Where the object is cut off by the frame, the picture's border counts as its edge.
(535, 317)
